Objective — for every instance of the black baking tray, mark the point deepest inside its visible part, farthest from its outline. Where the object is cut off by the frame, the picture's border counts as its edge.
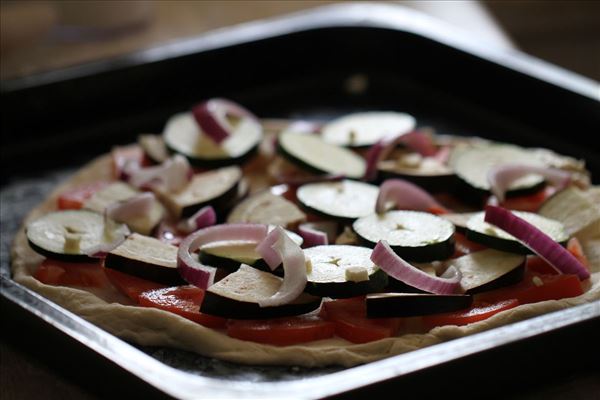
(315, 65)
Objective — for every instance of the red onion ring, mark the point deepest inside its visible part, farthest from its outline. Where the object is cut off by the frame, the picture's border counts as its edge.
(501, 176)
(384, 257)
(212, 114)
(536, 240)
(405, 196)
(203, 218)
(265, 249)
(136, 206)
(294, 268)
(202, 275)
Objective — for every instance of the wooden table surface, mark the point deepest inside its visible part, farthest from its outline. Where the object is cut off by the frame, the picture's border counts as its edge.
(564, 32)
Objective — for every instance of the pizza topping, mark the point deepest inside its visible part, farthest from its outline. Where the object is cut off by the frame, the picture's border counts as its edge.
(217, 188)
(482, 232)
(147, 258)
(403, 195)
(366, 128)
(136, 206)
(294, 268)
(473, 163)
(238, 295)
(218, 118)
(114, 235)
(171, 176)
(154, 147)
(312, 237)
(182, 135)
(419, 141)
(202, 275)
(204, 217)
(414, 235)
(345, 200)
(501, 176)
(71, 234)
(396, 267)
(341, 271)
(285, 331)
(536, 240)
(414, 304)
(488, 269)
(311, 152)
(267, 208)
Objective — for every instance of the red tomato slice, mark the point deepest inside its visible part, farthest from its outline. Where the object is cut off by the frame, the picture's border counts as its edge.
(479, 311)
(537, 287)
(530, 202)
(74, 198)
(60, 273)
(129, 285)
(464, 246)
(352, 324)
(282, 331)
(182, 300)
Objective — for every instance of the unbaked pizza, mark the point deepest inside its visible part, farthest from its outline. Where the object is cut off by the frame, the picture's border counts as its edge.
(303, 243)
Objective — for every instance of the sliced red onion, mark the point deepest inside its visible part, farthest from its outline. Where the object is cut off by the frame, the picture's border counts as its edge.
(172, 175)
(136, 206)
(294, 269)
(312, 236)
(418, 141)
(384, 257)
(330, 228)
(203, 218)
(405, 196)
(212, 115)
(500, 177)
(266, 251)
(202, 275)
(536, 240)
(117, 232)
(443, 154)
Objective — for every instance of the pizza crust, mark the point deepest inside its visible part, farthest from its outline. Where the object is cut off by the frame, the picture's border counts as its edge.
(152, 327)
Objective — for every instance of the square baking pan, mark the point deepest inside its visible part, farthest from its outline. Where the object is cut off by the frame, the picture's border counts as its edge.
(315, 65)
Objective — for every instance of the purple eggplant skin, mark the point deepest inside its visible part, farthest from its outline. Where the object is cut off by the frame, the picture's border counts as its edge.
(384, 305)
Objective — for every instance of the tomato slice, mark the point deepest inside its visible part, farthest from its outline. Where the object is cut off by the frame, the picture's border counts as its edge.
(73, 199)
(60, 273)
(537, 287)
(282, 331)
(352, 324)
(530, 202)
(129, 285)
(182, 300)
(479, 311)
(464, 246)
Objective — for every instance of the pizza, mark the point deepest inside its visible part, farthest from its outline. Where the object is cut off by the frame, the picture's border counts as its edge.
(312, 244)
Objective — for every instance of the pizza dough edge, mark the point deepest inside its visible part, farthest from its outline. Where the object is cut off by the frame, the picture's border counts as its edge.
(153, 327)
